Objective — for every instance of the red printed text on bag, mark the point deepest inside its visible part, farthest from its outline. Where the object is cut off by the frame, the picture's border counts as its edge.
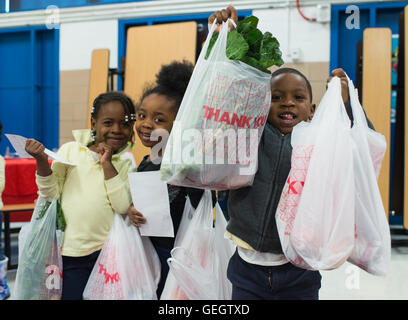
(292, 190)
(108, 277)
(238, 103)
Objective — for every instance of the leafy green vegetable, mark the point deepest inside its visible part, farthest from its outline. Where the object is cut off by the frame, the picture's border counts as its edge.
(255, 63)
(237, 47)
(247, 24)
(254, 39)
(43, 210)
(61, 224)
(249, 45)
(269, 51)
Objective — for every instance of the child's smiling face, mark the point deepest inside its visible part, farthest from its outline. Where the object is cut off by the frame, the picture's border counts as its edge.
(291, 102)
(156, 112)
(111, 127)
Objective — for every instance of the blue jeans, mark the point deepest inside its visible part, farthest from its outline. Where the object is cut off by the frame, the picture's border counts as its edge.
(75, 275)
(284, 282)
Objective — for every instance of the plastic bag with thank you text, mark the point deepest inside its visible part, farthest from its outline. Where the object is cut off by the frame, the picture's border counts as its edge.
(214, 140)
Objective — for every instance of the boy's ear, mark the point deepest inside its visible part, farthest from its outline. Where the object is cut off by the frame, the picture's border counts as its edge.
(312, 111)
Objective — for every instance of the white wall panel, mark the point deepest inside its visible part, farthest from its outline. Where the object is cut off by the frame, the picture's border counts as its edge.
(294, 32)
(78, 39)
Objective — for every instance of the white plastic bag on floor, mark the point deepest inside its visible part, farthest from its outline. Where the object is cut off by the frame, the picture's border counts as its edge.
(128, 267)
(200, 261)
(372, 249)
(214, 140)
(315, 215)
(39, 271)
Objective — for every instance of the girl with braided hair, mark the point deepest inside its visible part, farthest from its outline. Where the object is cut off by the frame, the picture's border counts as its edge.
(93, 190)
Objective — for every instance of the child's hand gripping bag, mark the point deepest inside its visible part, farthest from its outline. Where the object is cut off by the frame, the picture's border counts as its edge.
(315, 215)
(372, 249)
(127, 268)
(39, 272)
(214, 140)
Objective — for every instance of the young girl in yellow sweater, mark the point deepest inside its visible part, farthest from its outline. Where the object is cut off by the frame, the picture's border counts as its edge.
(93, 190)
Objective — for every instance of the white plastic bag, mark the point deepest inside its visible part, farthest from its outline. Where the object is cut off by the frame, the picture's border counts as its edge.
(200, 261)
(22, 236)
(289, 201)
(39, 271)
(214, 140)
(315, 215)
(372, 249)
(128, 267)
(171, 289)
(186, 218)
(224, 249)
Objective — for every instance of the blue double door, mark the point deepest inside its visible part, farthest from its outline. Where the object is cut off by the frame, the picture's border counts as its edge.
(29, 85)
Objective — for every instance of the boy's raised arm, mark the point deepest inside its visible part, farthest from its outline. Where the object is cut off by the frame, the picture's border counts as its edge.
(345, 94)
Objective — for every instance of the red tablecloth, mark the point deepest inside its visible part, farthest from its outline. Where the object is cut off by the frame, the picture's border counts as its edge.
(20, 185)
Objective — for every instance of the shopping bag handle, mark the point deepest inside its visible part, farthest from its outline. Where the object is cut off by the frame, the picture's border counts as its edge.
(359, 117)
(220, 45)
(212, 26)
(232, 22)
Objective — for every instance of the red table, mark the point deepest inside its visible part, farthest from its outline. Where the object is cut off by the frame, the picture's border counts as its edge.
(20, 188)
(20, 185)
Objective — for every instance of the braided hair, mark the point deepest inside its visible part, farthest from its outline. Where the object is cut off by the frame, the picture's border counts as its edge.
(123, 99)
(171, 81)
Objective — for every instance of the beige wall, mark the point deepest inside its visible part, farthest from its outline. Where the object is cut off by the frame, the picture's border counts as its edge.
(74, 87)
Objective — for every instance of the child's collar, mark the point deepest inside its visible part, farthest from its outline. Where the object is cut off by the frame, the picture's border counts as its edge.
(276, 130)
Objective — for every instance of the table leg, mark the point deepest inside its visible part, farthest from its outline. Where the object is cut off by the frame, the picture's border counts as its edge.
(7, 246)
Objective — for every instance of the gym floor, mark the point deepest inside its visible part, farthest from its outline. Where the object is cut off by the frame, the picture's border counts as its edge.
(345, 283)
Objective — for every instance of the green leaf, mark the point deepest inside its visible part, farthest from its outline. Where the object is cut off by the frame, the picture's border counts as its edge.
(211, 44)
(249, 45)
(254, 39)
(248, 24)
(61, 223)
(269, 52)
(43, 210)
(237, 47)
(254, 63)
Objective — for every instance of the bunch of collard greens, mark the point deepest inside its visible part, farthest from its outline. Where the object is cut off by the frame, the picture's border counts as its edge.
(247, 44)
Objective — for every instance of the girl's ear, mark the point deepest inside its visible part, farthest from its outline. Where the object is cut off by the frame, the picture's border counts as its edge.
(93, 123)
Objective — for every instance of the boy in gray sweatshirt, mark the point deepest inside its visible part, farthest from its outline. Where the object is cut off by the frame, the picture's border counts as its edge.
(259, 269)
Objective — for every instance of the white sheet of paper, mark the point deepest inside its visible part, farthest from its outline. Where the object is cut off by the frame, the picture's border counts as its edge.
(19, 142)
(151, 197)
